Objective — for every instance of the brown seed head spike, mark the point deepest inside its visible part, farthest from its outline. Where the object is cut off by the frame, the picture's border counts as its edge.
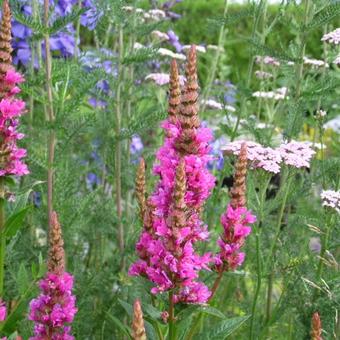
(56, 255)
(189, 108)
(5, 39)
(149, 216)
(178, 213)
(175, 92)
(140, 188)
(138, 329)
(316, 327)
(188, 112)
(238, 191)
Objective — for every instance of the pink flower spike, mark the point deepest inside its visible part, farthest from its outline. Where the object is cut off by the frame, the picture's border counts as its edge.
(3, 311)
(236, 227)
(12, 77)
(10, 110)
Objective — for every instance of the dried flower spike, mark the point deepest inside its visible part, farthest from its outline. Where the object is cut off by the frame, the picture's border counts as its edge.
(56, 255)
(140, 189)
(188, 112)
(238, 191)
(138, 329)
(5, 39)
(316, 327)
(175, 92)
(179, 194)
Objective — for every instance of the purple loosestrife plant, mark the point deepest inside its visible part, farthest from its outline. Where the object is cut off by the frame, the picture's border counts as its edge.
(172, 223)
(11, 109)
(236, 223)
(54, 309)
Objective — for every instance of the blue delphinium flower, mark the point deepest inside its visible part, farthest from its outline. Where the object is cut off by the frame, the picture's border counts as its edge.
(218, 162)
(63, 43)
(37, 199)
(136, 146)
(92, 181)
(174, 41)
(92, 60)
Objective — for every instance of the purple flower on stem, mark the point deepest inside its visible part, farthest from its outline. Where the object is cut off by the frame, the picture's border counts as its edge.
(172, 223)
(10, 110)
(3, 311)
(54, 309)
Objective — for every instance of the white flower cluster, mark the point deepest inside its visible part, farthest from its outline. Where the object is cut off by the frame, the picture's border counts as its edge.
(163, 78)
(199, 48)
(267, 60)
(278, 94)
(315, 62)
(333, 124)
(214, 105)
(168, 53)
(263, 75)
(332, 37)
(331, 199)
(152, 14)
(336, 61)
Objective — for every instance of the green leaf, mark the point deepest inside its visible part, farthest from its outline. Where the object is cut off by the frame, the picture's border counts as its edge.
(22, 199)
(324, 16)
(121, 327)
(15, 222)
(128, 308)
(22, 279)
(213, 311)
(223, 329)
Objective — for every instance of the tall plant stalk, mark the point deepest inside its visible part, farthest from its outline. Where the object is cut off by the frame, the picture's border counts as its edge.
(171, 316)
(51, 117)
(2, 235)
(258, 14)
(212, 73)
(286, 181)
(257, 231)
(118, 148)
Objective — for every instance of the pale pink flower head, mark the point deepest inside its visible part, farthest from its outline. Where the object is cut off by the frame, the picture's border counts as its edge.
(332, 37)
(162, 78)
(265, 158)
(331, 199)
(296, 154)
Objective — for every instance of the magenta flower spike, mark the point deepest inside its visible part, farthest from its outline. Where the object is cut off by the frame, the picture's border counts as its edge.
(10, 108)
(236, 220)
(54, 309)
(172, 223)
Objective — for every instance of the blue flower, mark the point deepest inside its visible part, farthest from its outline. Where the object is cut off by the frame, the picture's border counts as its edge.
(92, 181)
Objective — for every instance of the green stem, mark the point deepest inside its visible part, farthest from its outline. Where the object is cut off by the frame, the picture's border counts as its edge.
(286, 180)
(51, 117)
(258, 256)
(213, 68)
(118, 149)
(216, 284)
(171, 316)
(299, 70)
(2, 235)
(258, 284)
(77, 37)
(250, 70)
(324, 247)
